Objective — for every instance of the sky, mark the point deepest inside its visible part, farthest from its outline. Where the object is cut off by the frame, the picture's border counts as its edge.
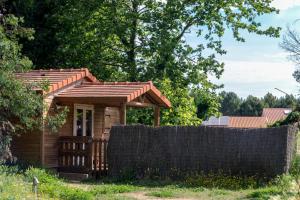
(259, 65)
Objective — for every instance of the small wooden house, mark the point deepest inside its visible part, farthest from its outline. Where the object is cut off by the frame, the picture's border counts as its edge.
(94, 107)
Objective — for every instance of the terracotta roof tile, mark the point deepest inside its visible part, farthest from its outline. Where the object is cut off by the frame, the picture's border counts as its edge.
(58, 78)
(126, 90)
(247, 122)
(275, 114)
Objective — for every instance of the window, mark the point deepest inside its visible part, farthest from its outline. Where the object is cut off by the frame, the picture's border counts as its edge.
(83, 120)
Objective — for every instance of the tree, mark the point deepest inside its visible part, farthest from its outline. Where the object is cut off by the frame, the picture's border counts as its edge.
(252, 106)
(291, 43)
(270, 101)
(141, 40)
(230, 103)
(288, 101)
(183, 110)
(21, 107)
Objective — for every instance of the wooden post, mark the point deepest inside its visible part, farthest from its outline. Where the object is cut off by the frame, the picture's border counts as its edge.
(123, 114)
(156, 116)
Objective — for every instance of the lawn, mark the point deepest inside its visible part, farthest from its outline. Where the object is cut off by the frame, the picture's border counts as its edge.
(16, 184)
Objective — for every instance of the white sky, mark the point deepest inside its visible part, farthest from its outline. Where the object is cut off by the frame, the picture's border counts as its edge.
(285, 4)
(259, 65)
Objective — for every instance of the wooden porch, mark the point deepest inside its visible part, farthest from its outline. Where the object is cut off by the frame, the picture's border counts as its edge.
(82, 154)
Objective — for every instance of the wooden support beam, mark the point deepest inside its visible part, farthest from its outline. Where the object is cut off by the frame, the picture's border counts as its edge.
(139, 104)
(156, 116)
(123, 114)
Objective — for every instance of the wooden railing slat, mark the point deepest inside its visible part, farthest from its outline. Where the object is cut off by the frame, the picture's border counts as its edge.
(82, 154)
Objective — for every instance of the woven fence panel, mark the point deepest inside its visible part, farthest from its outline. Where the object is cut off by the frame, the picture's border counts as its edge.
(169, 150)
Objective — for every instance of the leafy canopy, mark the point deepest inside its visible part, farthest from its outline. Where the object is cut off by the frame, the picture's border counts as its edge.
(141, 40)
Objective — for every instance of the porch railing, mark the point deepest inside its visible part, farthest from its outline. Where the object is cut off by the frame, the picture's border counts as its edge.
(82, 154)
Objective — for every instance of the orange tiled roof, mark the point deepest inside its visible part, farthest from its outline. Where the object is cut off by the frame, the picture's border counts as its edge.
(275, 114)
(58, 78)
(247, 122)
(127, 90)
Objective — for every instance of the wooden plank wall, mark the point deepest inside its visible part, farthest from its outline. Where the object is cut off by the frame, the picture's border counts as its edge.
(98, 120)
(112, 117)
(26, 148)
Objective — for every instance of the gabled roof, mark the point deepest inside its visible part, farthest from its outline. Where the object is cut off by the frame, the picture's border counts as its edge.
(247, 122)
(275, 114)
(128, 91)
(89, 87)
(58, 78)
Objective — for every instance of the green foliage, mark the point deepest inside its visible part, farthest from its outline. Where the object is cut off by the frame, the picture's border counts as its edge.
(112, 189)
(11, 31)
(252, 106)
(141, 40)
(183, 110)
(230, 103)
(271, 101)
(16, 184)
(21, 105)
(207, 101)
(265, 193)
(54, 187)
(56, 121)
(295, 171)
(140, 116)
(222, 181)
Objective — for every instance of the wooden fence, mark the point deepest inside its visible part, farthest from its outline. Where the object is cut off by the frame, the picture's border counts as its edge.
(82, 155)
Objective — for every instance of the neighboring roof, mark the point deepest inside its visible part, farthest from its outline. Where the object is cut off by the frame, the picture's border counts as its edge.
(275, 114)
(128, 91)
(247, 122)
(58, 78)
(269, 116)
(217, 121)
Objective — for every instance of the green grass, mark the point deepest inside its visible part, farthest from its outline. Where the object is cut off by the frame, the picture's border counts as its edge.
(16, 184)
(163, 193)
(112, 189)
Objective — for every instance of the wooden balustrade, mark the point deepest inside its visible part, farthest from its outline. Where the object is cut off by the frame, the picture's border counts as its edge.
(82, 154)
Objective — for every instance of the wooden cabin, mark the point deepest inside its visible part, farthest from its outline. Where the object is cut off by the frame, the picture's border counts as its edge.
(94, 107)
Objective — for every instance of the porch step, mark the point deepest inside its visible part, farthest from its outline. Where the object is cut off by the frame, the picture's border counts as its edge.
(73, 176)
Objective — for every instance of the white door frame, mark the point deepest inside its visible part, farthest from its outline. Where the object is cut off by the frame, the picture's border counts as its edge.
(84, 107)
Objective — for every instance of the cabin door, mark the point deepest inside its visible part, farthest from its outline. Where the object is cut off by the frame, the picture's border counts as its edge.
(83, 120)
